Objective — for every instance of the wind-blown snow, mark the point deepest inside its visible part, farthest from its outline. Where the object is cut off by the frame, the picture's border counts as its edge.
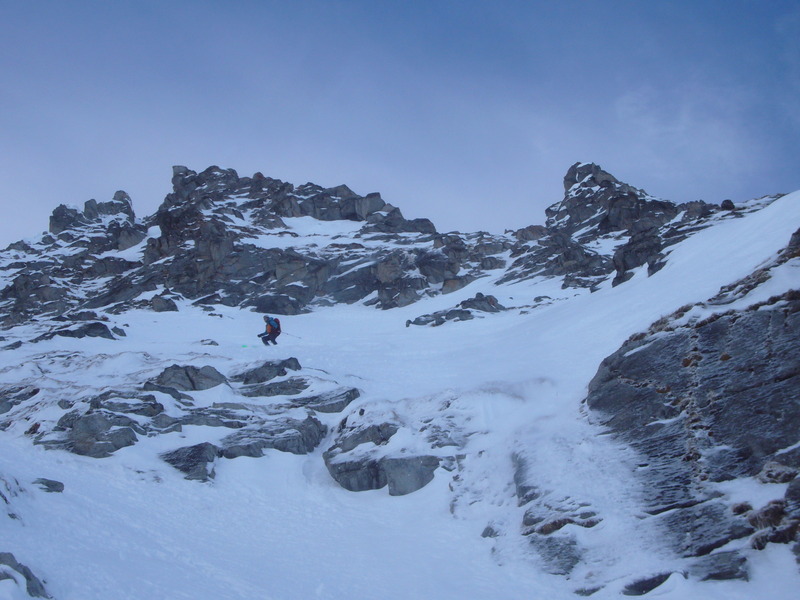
(279, 527)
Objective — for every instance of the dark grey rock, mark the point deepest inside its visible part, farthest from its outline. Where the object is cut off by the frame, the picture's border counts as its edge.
(14, 395)
(792, 499)
(463, 312)
(86, 330)
(640, 587)
(166, 423)
(195, 461)
(150, 386)
(708, 402)
(701, 529)
(330, 402)
(357, 474)
(288, 387)
(525, 490)
(641, 248)
(377, 434)
(277, 304)
(211, 418)
(407, 474)
(65, 218)
(530, 233)
(483, 303)
(559, 554)
(361, 471)
(558, 255)
(33, 585)
(267, 371)
(286, 435)
(163, 304)
(489, 532)
(720, 566)
(437, 266)
(49, 485)
(595, 198)
(99, 435)
(189, 378)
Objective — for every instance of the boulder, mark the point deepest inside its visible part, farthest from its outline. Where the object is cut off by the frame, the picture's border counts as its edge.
(641, 248)
(197, 461)
(94, 329)
(698, 530)
(189, 378)
(49, 485)
(482, 303)
(361, 470)
(530, 233)
(99, 434)
(267, 371)
(351, 437)
(163, 303)
(464, 311)
(358, 474)
(276, 304)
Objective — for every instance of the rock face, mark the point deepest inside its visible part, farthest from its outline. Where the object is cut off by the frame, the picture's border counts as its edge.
(705, 401)
(33, 585)
(599, 212)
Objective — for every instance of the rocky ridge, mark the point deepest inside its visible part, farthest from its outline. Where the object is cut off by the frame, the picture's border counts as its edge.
(219, 238)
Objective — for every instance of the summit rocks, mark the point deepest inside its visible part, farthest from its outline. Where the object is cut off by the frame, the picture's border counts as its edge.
(254, 242)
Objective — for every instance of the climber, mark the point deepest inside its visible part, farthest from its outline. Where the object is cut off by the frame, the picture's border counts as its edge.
(272, 332)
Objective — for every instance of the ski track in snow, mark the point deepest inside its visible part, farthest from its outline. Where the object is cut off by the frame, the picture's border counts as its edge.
(279, 527)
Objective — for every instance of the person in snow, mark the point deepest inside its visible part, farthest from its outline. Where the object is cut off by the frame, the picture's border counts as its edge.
(273, 330)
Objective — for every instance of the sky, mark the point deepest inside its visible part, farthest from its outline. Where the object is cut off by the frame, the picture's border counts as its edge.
(465, 112)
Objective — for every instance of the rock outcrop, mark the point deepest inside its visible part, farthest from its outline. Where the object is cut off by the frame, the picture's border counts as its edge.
(705, 400)
(358, 460)
(100, 424)
(465, 311)
(12, 569)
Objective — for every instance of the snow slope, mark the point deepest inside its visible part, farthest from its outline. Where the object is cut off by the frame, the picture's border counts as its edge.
(279, 527)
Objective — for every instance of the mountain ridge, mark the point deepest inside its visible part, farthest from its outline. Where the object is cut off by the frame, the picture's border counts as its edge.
(217, 233)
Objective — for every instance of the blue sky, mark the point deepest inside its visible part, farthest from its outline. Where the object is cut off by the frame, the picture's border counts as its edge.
(465, 112)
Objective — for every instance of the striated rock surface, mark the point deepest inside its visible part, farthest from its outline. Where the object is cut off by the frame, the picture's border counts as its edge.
(706, 396)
